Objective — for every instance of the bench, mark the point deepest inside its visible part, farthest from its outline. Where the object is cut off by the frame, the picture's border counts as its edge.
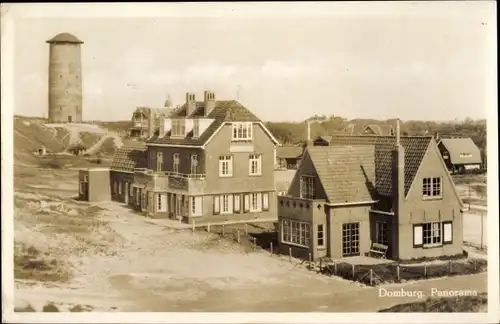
(379, 249)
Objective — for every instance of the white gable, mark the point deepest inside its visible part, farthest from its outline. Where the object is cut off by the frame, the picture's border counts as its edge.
(204, 124)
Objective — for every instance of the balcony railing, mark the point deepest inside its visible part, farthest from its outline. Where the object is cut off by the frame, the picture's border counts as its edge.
(192, 183)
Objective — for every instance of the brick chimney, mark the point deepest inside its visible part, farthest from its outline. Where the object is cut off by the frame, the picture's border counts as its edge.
(190, 103)
(161, 132)
(151, 122)
(209, 100)
(398, 192)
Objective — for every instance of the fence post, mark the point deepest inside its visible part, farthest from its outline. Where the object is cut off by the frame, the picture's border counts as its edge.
(238, 236)
(290, 254)
(246, 229)
(320, 264)
(194, 225)
(222, 229)
(371, 277)
(425, 270)
(208, 227)
(397, 272)
(335, 268)
(353, 271)
(450, 263)
(271, 248)
(254, 243)
(475, 265)
(310, 261)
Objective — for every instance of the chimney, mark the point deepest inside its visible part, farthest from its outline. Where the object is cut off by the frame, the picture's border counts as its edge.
(398, 191)
(209, 100)
(190, 103)
(161, 133)
(151, 122)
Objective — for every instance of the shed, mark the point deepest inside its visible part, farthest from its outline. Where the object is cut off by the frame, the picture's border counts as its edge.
(93, 184)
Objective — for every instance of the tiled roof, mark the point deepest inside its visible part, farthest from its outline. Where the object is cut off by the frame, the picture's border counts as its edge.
(347, 173)
(415, 148)
(288, 152)
(456, 146)
(128, 157)
(224, 111)
(382, 128)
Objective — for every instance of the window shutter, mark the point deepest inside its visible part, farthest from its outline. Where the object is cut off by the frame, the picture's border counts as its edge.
(265, 201)
(230, 166)
(259, 201)
(230, 204)
(417, 236)
(216, 205)
(259, 164)
(447, 233)
(220, 168)
(250, 165)
(198, 201)
(247, 203)
(237, 207)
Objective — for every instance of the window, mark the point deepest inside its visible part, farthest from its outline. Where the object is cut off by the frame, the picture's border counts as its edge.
(196, 127)
(255, 164)
(465, 155)
(307, 187)
(265, 201)
(86, 178)
(242, 131)
(321, 237)
(432, 234)
(194, 163)
(176, 162)
(178, 127)
(294, 232)
(255, 202)
(159, 161)
(196, 206)
(226, 166)
(237, 203)
(226, 204)
(431, 187)
(216, 205)
(381, 233)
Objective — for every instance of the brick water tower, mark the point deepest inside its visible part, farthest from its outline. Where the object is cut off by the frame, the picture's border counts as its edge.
(65, 79)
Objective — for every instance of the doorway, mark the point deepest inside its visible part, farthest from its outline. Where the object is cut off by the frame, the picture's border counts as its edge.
(350, 239)
(70, 119)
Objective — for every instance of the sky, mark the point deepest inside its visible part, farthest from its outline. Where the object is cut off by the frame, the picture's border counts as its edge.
(424, 61)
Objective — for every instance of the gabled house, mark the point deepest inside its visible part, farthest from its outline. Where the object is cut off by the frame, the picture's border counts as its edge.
(208, 161)
(140, 120)
(460, 154)
(364, 190)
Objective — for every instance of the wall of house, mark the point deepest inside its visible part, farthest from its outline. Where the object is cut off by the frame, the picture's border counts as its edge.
(348, 214)
(306, 168)
(99, 185)
(419, 210)
(120, 177)
(184, 156)
(241, 181)
(81, 178)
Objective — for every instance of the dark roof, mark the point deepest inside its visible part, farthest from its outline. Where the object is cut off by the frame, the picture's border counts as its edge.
(224, 111)
(128, 157)
(457, 146)
(64, 38)
(415, 148)
(347, 173)
(289, 152)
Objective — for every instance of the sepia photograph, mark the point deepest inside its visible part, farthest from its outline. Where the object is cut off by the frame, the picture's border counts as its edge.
(238, 162)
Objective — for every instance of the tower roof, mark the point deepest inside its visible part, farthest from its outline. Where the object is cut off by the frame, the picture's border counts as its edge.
(64, 38)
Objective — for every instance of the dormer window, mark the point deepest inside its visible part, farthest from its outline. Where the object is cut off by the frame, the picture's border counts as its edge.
(242, 131)
(178, 127)
(196, 127)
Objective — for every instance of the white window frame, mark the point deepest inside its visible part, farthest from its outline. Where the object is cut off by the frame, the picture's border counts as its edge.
(255, 202)
(176, 161)
(197, 206)
(86, 178)
(226, 204)
(226, 166)
(159, 161)
(242, 131)
(430, 186)
(432, 234)
(178, 128)
(307, 184)
(295, 233)
(196, 127)
(255, 164)
(320, 228)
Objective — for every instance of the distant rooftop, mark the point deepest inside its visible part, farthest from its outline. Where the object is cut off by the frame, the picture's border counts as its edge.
(65, 38)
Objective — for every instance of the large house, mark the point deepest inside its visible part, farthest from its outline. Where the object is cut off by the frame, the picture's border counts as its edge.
(359, 191)
(209, 161)
(460, 154)
(140, 120)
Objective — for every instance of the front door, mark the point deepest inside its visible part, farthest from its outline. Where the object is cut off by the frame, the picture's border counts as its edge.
(350, 239)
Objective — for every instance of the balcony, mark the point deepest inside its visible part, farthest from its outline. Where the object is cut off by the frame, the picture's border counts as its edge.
(173, 181)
